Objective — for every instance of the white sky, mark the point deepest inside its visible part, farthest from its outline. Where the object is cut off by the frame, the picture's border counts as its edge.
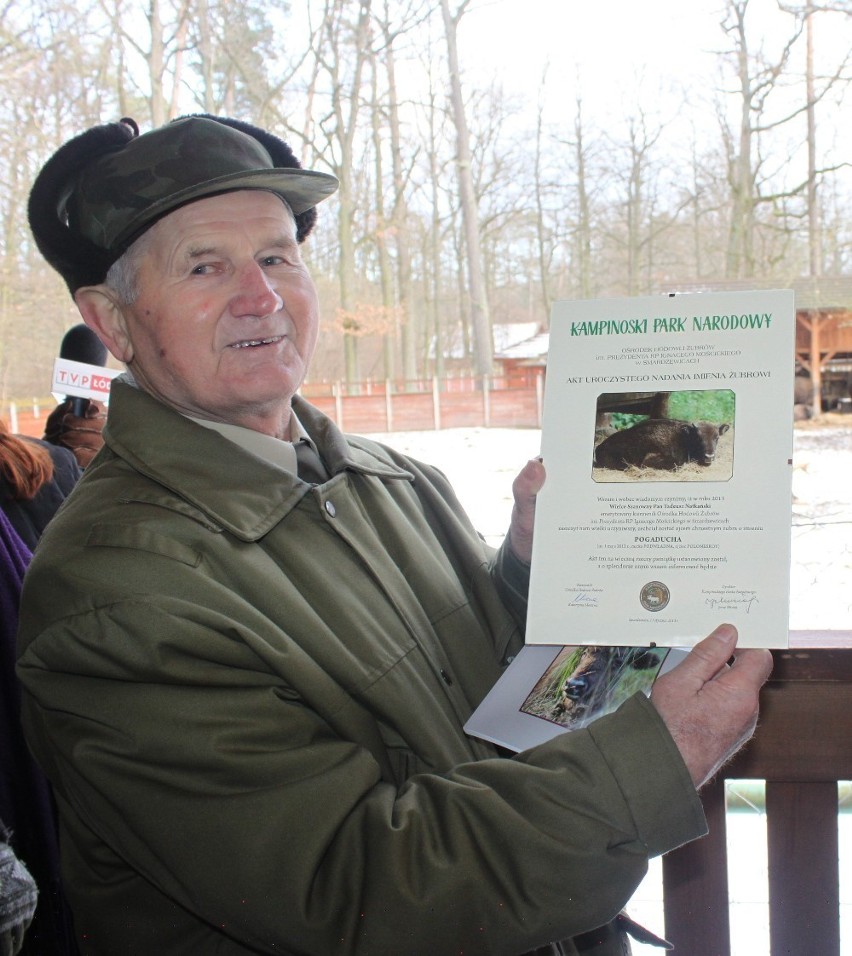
(607, 39)
(616, 53)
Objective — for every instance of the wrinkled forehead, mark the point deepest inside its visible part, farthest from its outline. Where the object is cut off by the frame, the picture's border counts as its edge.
(261, 213)
(239, 205)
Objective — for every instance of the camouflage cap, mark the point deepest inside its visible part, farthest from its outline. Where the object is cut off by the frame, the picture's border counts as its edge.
(119, 196)
(102, 189)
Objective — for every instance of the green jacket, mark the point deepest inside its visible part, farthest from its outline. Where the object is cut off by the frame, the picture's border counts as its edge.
(249, 693)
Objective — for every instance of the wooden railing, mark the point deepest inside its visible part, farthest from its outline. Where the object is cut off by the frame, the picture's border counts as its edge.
(374, 407)
(802, 748)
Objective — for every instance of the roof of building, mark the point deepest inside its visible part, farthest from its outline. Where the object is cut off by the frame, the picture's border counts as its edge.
(533, 347)
(826, 293)
(522, 342)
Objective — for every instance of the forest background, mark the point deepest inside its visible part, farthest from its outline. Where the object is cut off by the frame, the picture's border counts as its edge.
(492, 156)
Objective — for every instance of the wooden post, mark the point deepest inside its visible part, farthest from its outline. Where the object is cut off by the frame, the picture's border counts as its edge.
(539, 398)
(388, 405)
(336, 390)
(802, 845)
(486, 401)
(816, 363)
(13, 418)
(436, 403)
(801, 749)
(695, 878)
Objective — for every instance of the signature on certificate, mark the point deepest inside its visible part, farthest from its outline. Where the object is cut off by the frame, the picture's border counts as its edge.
(732, 601)
(583, 599)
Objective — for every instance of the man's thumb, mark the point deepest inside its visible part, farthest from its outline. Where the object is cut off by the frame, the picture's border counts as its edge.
(709, 656)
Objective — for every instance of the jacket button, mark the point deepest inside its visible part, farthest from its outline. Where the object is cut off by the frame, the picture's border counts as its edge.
(329, 507)
(446, 678)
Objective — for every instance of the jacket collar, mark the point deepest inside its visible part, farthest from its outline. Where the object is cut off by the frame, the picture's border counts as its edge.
(215, 478)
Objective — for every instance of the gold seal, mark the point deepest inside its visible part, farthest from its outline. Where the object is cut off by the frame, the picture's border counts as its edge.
(654, 596)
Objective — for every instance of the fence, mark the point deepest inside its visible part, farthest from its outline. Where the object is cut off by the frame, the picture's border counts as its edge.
(371, 407)
(801, 749)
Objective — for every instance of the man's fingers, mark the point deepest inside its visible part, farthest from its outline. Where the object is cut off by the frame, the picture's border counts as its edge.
(753, 665)
(529, 482)
(709, 707)
(524, 490)
(709, 656)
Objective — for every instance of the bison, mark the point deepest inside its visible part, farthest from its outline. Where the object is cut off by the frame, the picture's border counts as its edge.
(590, 685)
(660, 443)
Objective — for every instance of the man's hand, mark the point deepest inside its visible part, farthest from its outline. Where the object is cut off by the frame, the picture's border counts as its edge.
(525, 488)
(710, 708)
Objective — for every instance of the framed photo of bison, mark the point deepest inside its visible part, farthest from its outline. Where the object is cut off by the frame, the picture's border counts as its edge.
(667, 435)
(547, 691)
(687, 436)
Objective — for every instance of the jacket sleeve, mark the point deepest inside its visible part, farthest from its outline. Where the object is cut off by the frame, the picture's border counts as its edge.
(511, 578)
(204, 773)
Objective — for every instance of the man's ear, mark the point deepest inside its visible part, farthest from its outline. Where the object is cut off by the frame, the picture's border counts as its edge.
(104, 315)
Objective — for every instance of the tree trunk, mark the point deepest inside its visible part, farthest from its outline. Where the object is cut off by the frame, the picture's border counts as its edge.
(345, 100)
(381, 232)
(583, 243)
(480, 323)
(542, 240)
(814, 230)
(399, 221)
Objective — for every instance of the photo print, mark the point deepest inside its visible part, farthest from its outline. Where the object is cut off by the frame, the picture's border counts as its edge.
(664, 436)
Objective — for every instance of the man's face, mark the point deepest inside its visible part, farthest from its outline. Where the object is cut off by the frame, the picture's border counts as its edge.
(226, 316)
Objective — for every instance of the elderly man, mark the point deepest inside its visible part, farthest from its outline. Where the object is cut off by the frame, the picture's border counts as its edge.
(249, 642)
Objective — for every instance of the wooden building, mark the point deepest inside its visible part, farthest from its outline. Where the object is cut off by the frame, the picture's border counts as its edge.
(823, 332)
(823, 352)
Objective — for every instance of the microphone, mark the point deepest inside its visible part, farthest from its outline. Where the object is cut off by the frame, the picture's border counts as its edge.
(79, 371)
(80, 344)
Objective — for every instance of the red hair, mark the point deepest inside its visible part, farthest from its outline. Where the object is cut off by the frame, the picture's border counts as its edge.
(25, 465)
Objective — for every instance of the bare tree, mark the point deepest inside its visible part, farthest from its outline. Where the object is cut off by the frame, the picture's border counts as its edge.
(759, 79)
(435, 196)
(480, 322)
(434, 330)
(54, 75)
(814, 238)
(813, 95)
(342, 51)
(381, 231)
(236, 59)
(160, 52)
(578, 211)
(543, 233)
(409, 19)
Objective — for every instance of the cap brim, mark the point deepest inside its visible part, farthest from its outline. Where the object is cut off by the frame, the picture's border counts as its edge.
(301, 189)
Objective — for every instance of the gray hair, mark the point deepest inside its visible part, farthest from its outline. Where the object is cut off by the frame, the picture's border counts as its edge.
(123, 275)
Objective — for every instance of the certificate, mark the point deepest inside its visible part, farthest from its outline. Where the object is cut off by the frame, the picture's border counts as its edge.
(667, 436)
